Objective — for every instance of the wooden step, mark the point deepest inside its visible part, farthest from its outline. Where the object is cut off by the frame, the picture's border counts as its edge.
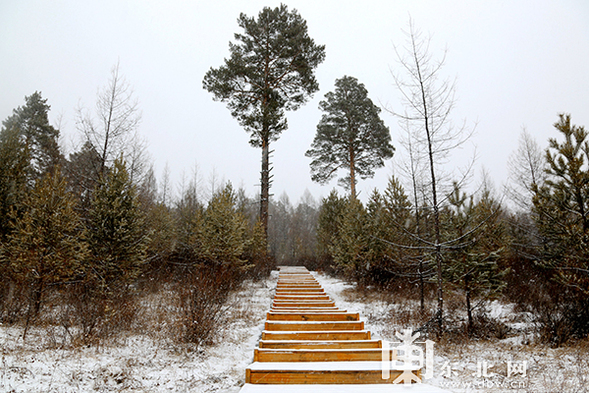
(301, 307)
(298, 286)
(324, 310)
(305, 344)
(303, 304)
(314, 326)
(272, 316)
(317, 335)
(305, 310)
(320, 355)
(301, 297)
(367, 372)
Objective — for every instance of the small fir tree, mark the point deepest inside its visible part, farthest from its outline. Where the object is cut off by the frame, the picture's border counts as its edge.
(117, 237)
(46, 246)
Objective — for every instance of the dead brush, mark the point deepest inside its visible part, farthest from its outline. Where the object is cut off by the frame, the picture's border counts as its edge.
(202, 303)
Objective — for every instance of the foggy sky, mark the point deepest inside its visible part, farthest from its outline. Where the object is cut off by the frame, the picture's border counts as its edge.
(516, 63)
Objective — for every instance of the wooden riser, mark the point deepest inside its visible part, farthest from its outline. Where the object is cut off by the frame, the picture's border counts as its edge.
(325, 310)
(341, 344)
(320, 377)
(301, 297)
(296, 286)
(312, 317)
(325, 336)
(306, 307)
(320, 355)
(314, 326)
(305, 310)
(305, 304)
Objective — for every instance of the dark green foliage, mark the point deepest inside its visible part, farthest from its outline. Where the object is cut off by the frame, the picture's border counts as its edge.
(350, 136)
(391, 223)
(270, 70)
(46, 245)
(331, 214)
(478, 239)
(116, 234)
(561, 205)
(83, 171)
(223, 231)
(561, 212)
(14, 162)
(32, 124)
(350, 250)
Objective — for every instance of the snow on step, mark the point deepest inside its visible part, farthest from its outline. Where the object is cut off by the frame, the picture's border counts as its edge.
(309, 340)
(350, 388)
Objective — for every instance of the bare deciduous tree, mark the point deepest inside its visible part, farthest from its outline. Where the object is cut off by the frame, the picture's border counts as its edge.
(526, 168)
(428, 101)
(112, 130)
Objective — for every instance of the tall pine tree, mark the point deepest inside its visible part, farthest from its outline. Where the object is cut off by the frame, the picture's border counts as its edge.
(350, 136)
(270, 70)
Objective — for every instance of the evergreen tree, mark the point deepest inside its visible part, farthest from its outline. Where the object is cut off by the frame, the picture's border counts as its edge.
(117, 237)
(479, 236)
(46, 245)
(14, 162)
(270, 70)
(378, 227)
(32, 124)
(224, 231)
(350, 135)
(330, 217)
(83, 171)
(561, 206)
(351, 250)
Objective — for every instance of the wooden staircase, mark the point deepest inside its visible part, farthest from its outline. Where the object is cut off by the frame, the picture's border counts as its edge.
(309, 340)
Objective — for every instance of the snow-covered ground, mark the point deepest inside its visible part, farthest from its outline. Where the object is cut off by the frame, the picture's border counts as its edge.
(149, 363)
(142, 363)
(477, 366)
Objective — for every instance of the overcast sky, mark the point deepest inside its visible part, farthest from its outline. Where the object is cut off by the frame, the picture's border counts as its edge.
(517, 64)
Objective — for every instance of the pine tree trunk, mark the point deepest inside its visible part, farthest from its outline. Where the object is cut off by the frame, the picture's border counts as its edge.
(265, 187)
(352, 172)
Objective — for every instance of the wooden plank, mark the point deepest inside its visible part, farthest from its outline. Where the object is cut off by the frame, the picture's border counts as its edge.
(303, 304)
(314, 326)
(323, 310)
(320, 355)
(317, 335)
(322, 377)
(298, 286)
(301, 297)
(305, 344)
(271, 316)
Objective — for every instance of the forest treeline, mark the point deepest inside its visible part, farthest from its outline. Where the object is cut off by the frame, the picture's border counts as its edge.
(81, 237)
